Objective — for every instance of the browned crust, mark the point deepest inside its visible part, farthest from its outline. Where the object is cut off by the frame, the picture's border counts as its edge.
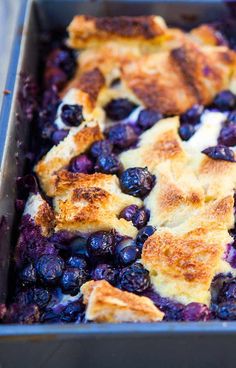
(129, 26)
(106, 303)
(86, 30)
(181, 257)
(45, 218)
(180, 78)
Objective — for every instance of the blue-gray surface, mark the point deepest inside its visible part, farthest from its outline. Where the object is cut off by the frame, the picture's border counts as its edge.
(8, 14)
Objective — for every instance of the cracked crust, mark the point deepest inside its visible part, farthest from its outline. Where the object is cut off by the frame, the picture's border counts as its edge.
(192, 73)
(158, 144)
(175, 195)
(78, 141)
(90, 203)
(106, 303)
(86, 31)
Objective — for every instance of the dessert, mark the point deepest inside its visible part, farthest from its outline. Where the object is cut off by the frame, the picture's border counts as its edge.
(128, 213)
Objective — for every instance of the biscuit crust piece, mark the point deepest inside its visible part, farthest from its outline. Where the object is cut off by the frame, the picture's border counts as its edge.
(106, 303)
(92, 202)
(157, 144)
(87, 31)
(40, 211)
(78, 141)
(173, 81)
(182, 261)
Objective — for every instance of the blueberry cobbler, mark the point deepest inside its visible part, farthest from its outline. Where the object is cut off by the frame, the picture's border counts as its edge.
(129, 215)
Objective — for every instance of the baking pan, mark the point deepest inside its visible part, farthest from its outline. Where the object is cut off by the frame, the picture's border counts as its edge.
(198, 344)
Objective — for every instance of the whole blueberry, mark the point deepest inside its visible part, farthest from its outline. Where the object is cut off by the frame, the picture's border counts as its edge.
(72, 115)
(225, 100)
(134, 278)
(228, 135)
(49, 268)
(41, 297)
(101, 244)
(77, 262)
(72, 311)
(228, 291)
(103, 147)
(122, 135)
(147, 118)
(192, 115)
(81, 164)
(28, 275)
(62, 58)
(231, 119)
(143, 235)
(186, 131)
(126, 252)
(72, 279)
(58, 135)
(141, 218)
(55, 76)
(128, 212)
(137, 181)
(50, 316)
(119, 109)
(108, 164)
(226, 311)
(220, 152)
(217, 285)
(106, 272)
(196, 312)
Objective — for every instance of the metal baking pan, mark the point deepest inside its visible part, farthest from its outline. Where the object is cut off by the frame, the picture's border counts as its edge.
(198, 344)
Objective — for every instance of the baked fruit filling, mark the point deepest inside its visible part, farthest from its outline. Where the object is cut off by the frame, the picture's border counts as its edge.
(128, 214)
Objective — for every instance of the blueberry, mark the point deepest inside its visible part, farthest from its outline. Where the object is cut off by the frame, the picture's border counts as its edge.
(72, 115)
(72, 311)
(126, 252)
(225, 100)
(50, 316)
(137, 181)
(128, 212)
(196, 312)
(134, 278)
(140, 218)
(103, 147)
(28, 275)
(147, 118)
(106, 272)
(29, 314)
(72, 279)
(186, 131)
(122, 135)
(81, 164)
(41, 297)
(220, 152)
(58, 135)
(174, 312)
(119, 109)
(108, 164)
(217, 284)
(62, 58)
(228, 291)
(55, 76)
(228, 135)
(49, 268)
(226, 311)
(231, 119)
(143, 235)
(77, 262)
(192, 115)
(101, 244)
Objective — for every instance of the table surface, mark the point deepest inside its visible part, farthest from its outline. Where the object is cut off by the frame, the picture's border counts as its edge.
(9, 10)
